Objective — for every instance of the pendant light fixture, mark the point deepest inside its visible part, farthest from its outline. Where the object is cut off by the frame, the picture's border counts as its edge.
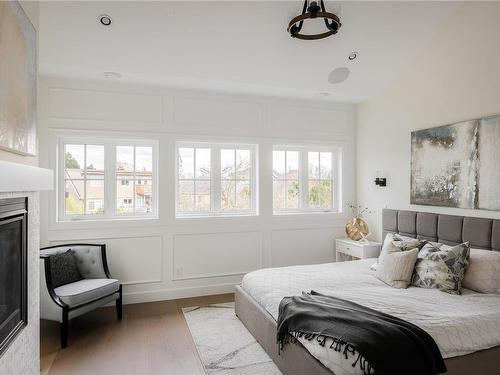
(312, 10)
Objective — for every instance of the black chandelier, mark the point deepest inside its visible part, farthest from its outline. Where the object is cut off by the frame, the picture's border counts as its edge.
(312, 10)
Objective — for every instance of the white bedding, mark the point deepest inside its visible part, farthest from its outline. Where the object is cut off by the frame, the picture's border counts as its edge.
(459, 324)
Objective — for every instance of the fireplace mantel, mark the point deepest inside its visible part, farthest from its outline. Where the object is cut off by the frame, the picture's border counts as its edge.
(20, 177)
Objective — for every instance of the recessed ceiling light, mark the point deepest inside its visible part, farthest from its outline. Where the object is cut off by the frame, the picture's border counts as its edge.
(353, 55)
(338, 75)
(112, 75)
(105, 20)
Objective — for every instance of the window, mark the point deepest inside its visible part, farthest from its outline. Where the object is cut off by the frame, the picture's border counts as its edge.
(235, 188)
(83, 179)
(215, 179)
(134, 165)
(303, 179)
(320, 179)
(286, 179)
(106, 179)
(194, 179)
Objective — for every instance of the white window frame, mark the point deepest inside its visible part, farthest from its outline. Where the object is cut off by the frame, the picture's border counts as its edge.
(110, 180)
(215, 179)
(303, 150)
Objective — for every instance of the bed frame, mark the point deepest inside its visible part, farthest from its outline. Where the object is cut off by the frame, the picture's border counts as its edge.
(296, 360)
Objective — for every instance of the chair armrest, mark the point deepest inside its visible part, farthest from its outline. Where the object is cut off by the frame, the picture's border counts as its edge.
(46, 280)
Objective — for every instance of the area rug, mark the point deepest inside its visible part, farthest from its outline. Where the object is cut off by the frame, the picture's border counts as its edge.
(224, 344)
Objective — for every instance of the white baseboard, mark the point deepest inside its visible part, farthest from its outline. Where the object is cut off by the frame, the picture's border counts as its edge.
(168, 294)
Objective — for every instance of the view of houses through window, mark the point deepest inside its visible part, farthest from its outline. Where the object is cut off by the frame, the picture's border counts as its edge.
(134, 172)
(116, 179)
(85, 180)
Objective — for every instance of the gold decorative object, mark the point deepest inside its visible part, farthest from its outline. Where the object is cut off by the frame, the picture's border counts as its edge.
(357, 229)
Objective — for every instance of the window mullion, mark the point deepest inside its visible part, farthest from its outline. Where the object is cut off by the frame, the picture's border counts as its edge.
(215, 177)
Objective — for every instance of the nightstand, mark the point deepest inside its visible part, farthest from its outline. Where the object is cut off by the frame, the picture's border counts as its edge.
(346, 249)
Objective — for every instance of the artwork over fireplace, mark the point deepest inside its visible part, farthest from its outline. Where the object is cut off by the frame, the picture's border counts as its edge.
(17, 80)
(13, 269)
(457, 165)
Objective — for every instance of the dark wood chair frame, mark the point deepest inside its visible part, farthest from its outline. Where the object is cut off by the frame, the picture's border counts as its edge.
(65, 308)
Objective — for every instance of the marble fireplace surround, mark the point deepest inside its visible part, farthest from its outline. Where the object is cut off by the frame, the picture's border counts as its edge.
(19, 180)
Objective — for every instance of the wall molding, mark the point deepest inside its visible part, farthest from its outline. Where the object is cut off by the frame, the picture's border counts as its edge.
(215, 275)
(85, 239)
(137, 96)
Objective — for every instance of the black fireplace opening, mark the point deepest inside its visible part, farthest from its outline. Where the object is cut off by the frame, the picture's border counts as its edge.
(13, 269)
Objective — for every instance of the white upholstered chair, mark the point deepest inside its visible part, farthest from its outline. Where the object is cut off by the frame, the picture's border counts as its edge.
(68, 301)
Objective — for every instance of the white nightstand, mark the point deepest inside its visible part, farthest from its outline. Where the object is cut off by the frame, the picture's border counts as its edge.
(348, 249)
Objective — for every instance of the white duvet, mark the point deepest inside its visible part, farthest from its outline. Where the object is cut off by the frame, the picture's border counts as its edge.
(459, 324)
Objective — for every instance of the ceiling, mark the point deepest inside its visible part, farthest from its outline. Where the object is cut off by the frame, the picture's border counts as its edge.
(235, 46)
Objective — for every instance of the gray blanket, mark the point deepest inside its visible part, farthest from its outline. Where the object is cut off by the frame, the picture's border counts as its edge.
(378, 342)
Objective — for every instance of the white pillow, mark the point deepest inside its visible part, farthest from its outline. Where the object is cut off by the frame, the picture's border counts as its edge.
(395, 242)
(396, 269)
(483, 274)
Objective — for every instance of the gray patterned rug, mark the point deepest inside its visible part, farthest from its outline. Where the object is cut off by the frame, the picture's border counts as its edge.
(225, 345)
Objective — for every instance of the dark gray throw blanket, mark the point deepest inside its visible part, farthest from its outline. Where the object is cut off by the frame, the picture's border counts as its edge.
(378, 342)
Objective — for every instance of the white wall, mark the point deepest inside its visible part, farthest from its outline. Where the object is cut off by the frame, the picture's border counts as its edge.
(455, 77)
(22, 356)
(169, 258)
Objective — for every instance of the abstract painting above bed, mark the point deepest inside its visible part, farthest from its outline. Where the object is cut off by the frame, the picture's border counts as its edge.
(457, 165)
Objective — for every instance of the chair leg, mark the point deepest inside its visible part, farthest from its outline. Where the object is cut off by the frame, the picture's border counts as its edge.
(119, 305)
(64, 328)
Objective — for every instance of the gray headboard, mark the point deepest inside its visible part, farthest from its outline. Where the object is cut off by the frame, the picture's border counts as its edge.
(448, 229)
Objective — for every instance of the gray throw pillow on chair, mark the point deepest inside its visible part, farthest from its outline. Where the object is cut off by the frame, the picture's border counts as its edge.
(63, 269)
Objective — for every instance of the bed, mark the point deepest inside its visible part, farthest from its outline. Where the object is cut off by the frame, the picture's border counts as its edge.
(466, 327)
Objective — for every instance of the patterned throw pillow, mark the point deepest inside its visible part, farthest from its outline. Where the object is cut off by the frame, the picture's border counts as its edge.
(442, 267)
(63, 269)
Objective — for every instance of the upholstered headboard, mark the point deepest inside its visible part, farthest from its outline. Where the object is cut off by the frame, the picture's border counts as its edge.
(448, 229)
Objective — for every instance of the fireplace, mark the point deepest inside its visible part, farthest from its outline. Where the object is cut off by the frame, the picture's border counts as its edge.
(13, 269)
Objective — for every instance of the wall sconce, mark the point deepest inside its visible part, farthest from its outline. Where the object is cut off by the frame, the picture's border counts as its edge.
(380, 181)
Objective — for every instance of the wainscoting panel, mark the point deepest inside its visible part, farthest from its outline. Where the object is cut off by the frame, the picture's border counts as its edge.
(215, 113)
(302, 246)
(95, 105)
(216, 254)
(293, 118)
(134, 260)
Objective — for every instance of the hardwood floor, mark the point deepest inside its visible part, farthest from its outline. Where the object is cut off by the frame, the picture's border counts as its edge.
(152, 338)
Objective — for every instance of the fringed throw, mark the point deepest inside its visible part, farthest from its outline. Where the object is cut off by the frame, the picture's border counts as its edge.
(377, 342)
